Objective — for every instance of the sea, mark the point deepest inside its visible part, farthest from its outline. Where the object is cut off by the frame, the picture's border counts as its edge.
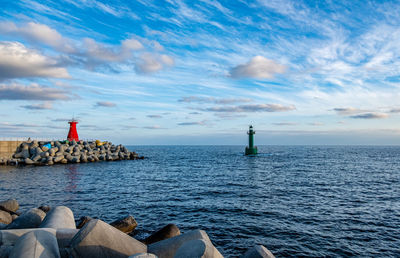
(314, 201)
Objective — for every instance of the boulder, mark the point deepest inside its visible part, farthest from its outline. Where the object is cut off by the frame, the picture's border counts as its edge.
(198, 248)
(45, 208)
(258, 251)
(170, 230)
(98, 239)
(58, 159)
(82, 221)
(28, 161)
(37, 244)
(36, 158)
(5, 217)
(126, 225)
(14, 216)
(167, 248)
(59, 217)
(64, 161)
(11, 205)
(30, 219)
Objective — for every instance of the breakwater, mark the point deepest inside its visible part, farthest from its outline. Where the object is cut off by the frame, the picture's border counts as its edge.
(49, 153)
(52, 232)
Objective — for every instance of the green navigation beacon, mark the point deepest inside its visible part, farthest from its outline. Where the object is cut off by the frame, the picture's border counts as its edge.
(251, 149)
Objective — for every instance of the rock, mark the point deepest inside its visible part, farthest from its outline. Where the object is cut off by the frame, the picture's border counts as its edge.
(28, 161)
(44, 154)
(170, 230)
(198, 248)
(2, 226)
(30, 219)
(82, 221)
(14, 216)
(11, 205)
(45, 208)
(58, 159)
(59, 217)
(5, 217)
(258, 251)
(52, 152)
(167, 248)
(143, 255)
(32, 151)
(64, 236)
(126, 225)
(75, 159)
(37, 244)
(36, 158)
(98, 239)
(64, 161)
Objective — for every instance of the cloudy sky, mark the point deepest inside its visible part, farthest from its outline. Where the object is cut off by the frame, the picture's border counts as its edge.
(199, 72)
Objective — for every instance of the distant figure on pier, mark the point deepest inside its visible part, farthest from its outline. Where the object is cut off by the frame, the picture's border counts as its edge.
(251, 149)
(72, 134)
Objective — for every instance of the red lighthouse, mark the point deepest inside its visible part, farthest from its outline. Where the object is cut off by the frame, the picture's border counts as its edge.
(72, 134)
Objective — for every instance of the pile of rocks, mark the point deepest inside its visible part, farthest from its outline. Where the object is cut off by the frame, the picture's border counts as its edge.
(49, 153)
(45, 232)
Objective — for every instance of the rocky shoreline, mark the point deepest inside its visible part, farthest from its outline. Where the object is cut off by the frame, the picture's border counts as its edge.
(42, 153)
(53, 232)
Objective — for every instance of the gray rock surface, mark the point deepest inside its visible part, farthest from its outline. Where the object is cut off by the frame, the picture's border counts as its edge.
(30, 219)
(36, 244)
(167, 248)
(98, 239)
(59, 217)
(198, 248)
(258, 251)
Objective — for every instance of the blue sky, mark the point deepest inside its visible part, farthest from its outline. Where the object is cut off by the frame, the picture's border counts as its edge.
(199, 72)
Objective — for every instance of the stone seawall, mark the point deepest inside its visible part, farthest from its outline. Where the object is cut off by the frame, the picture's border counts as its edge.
(8, 148)
(52, 152)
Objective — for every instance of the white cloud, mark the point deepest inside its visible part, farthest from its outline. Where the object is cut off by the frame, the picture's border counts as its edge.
(372, 115)
(252, 108)
(41, 106)
(38, 33)
(200, 99)
(17, 61)
(105, 104)
(258, 67)
(150, 63)
(131, 44)
(32, 92)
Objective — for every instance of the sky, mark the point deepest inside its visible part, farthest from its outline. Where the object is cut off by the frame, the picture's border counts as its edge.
(200, 72)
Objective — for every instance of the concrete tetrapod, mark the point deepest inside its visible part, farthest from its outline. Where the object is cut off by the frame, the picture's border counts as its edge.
(170, 230)
(143, 255)
(167, 248)
(198, 248)
(36, 244)
(99, 239)
(258, 251)
(30, 219)
(59, 217)
(5, 217)
(11, 205)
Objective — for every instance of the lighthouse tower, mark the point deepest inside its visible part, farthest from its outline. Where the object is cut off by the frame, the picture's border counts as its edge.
(251, 149)
(72, 134)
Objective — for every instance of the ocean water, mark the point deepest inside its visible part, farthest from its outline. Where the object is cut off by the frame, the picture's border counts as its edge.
(295, 200)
